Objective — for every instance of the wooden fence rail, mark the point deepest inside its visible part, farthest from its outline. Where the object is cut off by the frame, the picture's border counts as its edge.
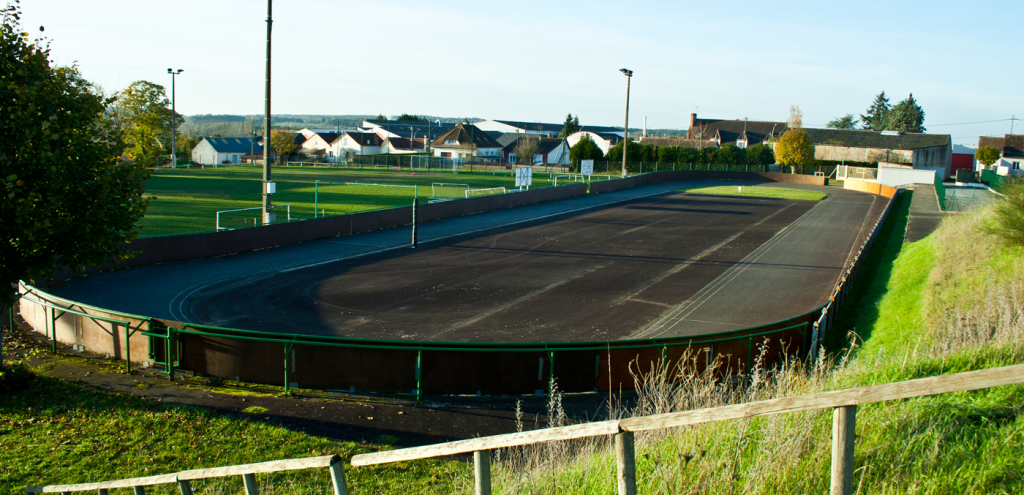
(843, 402)
(248, 473)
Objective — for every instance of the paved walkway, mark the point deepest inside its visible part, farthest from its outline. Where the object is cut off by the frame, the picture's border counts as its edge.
(925, 214)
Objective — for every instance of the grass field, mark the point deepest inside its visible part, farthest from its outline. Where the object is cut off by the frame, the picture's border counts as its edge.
(188, 200)
(760, 192)
(61, 432)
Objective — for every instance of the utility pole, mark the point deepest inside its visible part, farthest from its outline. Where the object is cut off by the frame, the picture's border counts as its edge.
(625, 141)
(269, 188)
(174, 122)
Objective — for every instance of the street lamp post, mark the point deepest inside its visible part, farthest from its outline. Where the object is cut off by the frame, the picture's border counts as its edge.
(174, 121)
(625, 141)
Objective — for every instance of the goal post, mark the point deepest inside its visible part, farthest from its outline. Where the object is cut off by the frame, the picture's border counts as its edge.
(448, 190)
(487, 191)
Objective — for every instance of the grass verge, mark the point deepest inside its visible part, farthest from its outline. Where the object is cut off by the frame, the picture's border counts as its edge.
(61, 432)
(760, 192)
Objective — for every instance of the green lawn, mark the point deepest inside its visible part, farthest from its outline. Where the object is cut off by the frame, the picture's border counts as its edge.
(188, 200)
(61, 432)
(760, 192)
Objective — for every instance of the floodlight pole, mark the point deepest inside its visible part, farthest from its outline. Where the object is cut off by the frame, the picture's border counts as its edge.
(625, 141)
(174, 121)
(268, 208)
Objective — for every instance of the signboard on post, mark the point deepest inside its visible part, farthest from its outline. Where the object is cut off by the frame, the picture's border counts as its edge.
(524, 176)
(587, 167)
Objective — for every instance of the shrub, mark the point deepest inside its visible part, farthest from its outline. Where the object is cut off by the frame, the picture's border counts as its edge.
(14, 378)
(1009, 214)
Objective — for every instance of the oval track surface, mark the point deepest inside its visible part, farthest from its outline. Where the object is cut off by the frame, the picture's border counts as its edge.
(666, 265)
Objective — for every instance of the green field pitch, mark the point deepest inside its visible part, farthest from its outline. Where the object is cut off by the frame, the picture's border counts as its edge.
(760, 192)
(187, 200)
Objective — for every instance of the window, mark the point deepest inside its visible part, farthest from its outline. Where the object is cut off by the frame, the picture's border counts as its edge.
(450, 141)
(741, 144)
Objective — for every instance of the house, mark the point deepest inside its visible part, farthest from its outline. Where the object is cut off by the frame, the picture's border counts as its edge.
(466, 141)
(351, 143)
(742, 133)
(400, 145)
(1011, 156)
(405, 129)
(604, 140)
(888, 148)
(547, 130)
(320, 143)
(963, 159)
(225, 151)
(545, 151)
(675, 142)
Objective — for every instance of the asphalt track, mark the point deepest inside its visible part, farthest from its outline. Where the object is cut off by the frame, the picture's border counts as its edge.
(642, 262)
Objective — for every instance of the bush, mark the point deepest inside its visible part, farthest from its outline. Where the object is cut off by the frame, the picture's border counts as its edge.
(14, 378)
(1009, 214)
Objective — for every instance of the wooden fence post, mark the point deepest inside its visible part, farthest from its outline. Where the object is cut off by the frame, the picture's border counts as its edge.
(844, 426)
(338, 478)
(249, 480)
(185, 487)
(625, 456)
(482, 470)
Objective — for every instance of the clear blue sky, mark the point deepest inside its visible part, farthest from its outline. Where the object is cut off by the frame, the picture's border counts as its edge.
(537, 61)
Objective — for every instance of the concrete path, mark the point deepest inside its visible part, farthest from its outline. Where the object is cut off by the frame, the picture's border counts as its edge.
(925, 214)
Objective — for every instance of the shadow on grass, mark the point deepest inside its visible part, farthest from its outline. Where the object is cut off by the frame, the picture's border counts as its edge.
(860, 311)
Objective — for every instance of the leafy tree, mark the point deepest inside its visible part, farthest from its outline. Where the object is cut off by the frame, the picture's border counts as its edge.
(795, 148)
(283, 143)
(526, 147)
(987, 155)
(687, 155)
(875, 119)
(845, 122)
(906, 116)
(410, 118)
(585, 149)
(570, 127)
(66, 196)
(143, 114)
(760, 154)
(796, 117)
(381, 117)
(667, 154)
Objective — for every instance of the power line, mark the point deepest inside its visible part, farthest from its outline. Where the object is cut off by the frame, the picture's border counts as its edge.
(969, 123)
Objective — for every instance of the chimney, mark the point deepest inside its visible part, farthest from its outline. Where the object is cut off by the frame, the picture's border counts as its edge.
(693, 120)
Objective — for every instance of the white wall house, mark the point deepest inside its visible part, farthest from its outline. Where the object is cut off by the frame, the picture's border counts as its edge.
(467, 142)
(604, 140)
(352, 143)
(1011, 156)
(224, 151)
(320, 143)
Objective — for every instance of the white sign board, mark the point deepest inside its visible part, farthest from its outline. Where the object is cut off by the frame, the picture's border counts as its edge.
(587, 167)
(524, 176)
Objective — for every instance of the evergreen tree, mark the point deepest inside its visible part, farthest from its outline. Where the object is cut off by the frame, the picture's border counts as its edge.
(845, 122)
(875, 119)
(906, 116)
(570, 127)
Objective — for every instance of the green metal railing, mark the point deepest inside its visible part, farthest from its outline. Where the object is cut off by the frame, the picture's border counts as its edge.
(940, 192)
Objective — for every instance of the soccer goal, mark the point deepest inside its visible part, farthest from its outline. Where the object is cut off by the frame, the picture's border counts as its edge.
(447, 190)
(337, 198)
(472, 193)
